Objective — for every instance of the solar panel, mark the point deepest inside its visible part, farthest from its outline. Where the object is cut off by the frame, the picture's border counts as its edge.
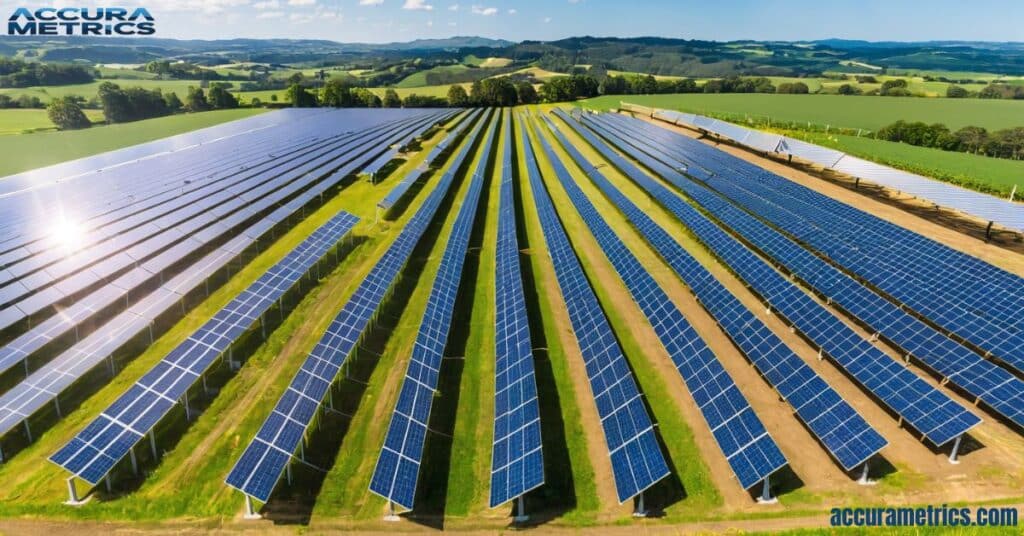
(843, 432)
(636, 458)
(990, 383)
(92, 453)
(45, 384)
(929, 411)
(751, 452)
(260, 466)
(980, 303)
(517, 461)
(400, 189)
(397, 470)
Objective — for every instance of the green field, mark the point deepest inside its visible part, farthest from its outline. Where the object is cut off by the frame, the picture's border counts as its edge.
(994, 175)
(17, 121)
(869, 113)
(30, 151)
(45, 93)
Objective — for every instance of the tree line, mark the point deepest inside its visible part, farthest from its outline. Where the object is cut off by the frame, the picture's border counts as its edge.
(1006, 143)
(18, 73)
(122, 105)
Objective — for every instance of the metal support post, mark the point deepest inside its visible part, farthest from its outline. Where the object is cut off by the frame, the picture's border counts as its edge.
(640, 510)
(766, 493)
(250, 510)
(135, 462)
(864, 480)
(956, 447)
(391, 515)
(152, 443)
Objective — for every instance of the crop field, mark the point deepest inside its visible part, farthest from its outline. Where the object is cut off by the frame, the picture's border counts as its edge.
(432, 319)
(869, 113)
(45, 93)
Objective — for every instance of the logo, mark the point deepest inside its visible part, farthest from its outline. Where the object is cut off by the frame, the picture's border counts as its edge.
(81, 21)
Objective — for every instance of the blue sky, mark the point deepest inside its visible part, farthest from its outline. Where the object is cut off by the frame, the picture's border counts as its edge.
(404, 20)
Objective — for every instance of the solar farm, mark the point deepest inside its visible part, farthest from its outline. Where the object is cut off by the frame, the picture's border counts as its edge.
(420, 319)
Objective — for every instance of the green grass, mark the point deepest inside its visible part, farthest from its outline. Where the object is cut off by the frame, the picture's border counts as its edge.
(870, 113)
(995, 175)
(17, 121)
(45, 93)
(419, 78)
(30, 151)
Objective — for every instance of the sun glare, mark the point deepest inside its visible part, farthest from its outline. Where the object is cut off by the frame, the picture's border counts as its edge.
(67, 234)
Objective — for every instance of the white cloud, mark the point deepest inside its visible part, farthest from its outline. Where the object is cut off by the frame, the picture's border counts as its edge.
(417, 5)
(206, 7)
(547, 20)
(575, 1)
(485, 11)
(300, 18)
(453, 7)
(370, 2)
(266, 4)
(452, 24)
(301, 2)
(512, 11)
(430, 23)
(270, 15)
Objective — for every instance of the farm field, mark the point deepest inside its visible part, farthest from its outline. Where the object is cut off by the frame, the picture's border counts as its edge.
(856, 112)
(45, 93)
(325, 487)
(29, 151)
(17, 121)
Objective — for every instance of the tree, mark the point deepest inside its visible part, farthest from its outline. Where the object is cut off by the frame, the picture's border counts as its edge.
(273, 97)
(67, 114)
(849, 89)
(174, 104)
(195, 100)
(457, 96)
(894, 88)
(299, 97)
(793, 88)
(526, 93)
(220, 98)
(956, 92)
(365, 98)
(335, 93)
(391, 99)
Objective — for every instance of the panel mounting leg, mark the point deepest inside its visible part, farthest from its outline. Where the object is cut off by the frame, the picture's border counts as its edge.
(184, 402)
(250, 509)
(766, 493)
(640, 510)
(288, 472)
(391, 515)
(135, 462)
(864, 480)
(956, 447)
(152, 443)
(106, 480)
(73, 499)
(28, 430)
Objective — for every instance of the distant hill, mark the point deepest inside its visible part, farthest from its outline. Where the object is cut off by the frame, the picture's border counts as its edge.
(655, 55)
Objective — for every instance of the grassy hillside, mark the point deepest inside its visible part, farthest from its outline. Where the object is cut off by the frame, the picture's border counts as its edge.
(26, 152)
(45, 93)
(16, 121)
(869, 113)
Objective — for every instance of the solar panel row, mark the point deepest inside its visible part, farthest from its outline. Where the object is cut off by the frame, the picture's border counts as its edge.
(94, 451)
(978, 302)
(400, 189)
(394, 149)
(53, 274)
(122, 290)
(982, 379)
(922, 406)
(46, 384)
(636, 458)
(517, 461)
(260, 466)
(843, 432)
(748, 447)
(397, 470)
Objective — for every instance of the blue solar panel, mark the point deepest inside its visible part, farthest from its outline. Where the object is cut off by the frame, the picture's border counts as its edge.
(517, 461)
(929, 411)
(976, 301)
(258, 469)
(45, 384)
(397, 470)
(843, 432)
(396, 193)
(636, 458)
(747, 446)
(95, 450)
